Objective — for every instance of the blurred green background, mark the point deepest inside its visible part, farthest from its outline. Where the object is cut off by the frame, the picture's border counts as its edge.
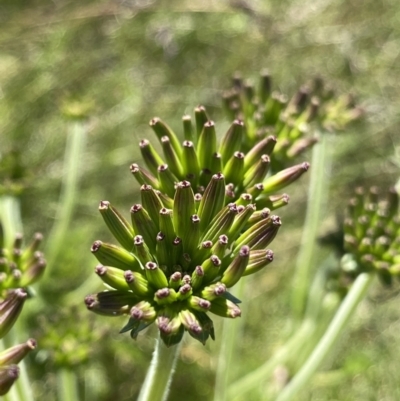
(106, 68)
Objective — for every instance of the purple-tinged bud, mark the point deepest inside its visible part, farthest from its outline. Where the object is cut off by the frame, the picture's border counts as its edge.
(111, 303)
(10, 308)
(197, 277)
(33, 272)
(137, 283)
(285, 177)
(231, 141)
(213, 291)
(225, 308)
(258, 260)
(16, 353)
(155, 275)
(141, 250)
(244, 199)
(144, 225)
(171, 157)
(143, 311)
(300, 146)
(165, 296)
(190, 322)
(161, 129)
(143, 176)
(211, 267)
(167, 180)
(273, 202)
(255, 190)
(187, 127)
(111, 255)
(116, 223)
(28, 252)
(191, 240)
(263, 147)
(150, 156)
(199, 304)
(260, 235)
(184, 292)
(220, 247)
(236, 268)
(8, 375)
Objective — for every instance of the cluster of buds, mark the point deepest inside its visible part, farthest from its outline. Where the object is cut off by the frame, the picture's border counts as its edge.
(372, 235)
(18, 269)
(204, 222)
(293, 121)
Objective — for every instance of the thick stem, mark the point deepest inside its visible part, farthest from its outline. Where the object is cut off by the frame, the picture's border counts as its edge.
(339, 322)
(317, 195)
(159, 376)
(67, 385)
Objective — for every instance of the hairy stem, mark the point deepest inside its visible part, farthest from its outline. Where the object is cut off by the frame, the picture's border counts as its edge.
(159, 376)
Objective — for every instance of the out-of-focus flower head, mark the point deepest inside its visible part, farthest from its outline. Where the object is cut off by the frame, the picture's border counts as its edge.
(295, 121)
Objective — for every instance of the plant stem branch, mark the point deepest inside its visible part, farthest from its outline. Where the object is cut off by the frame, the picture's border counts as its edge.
(325, 345)
(67, 385)
(159, 376)
(317, 195)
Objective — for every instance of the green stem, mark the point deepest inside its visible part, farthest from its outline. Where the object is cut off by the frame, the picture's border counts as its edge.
(230, 331)
(72, 165)
(317, 195)
(325, 345)
(67, 385)
(159, 376)
(258, 376)
(10, 217)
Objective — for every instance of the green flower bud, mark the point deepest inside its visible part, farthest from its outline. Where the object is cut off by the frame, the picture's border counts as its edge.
(144, 225)
(143, 176)
(141, 250)
(273, 202)
(33, 272)
(112, 276)
(257, 172)
(8, 375)
(155, 275)
(119, 227)
(185, 291)
(212, 200)
(111, 255)
(143, 311)
(167, 180)
(232, 141)
(199, 304)
(258, 260)
(265, 86)
(171, 157)
(161, 129)
(221, 246)
(165, 296)
(151, 202)
(10, 308)
(16, 353)
(207, 145)
(28, 253)
(241, 220)
(235, 270)
(111, 303)
(190, 163)
(264, 147)
(184, 208)
(193, 237)
(137, 283)
(190, 321)
(197, 277)
(150, 156)
(225, 308)
(201, 118)
(284, 178)
(213, 291)
(187, 127)
(234, 168)
(222, 222)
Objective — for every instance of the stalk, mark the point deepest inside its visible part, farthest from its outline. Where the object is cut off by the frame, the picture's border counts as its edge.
(72, 161)
(67, 385)
(317, 195)
(329, 339)
(159, 376)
